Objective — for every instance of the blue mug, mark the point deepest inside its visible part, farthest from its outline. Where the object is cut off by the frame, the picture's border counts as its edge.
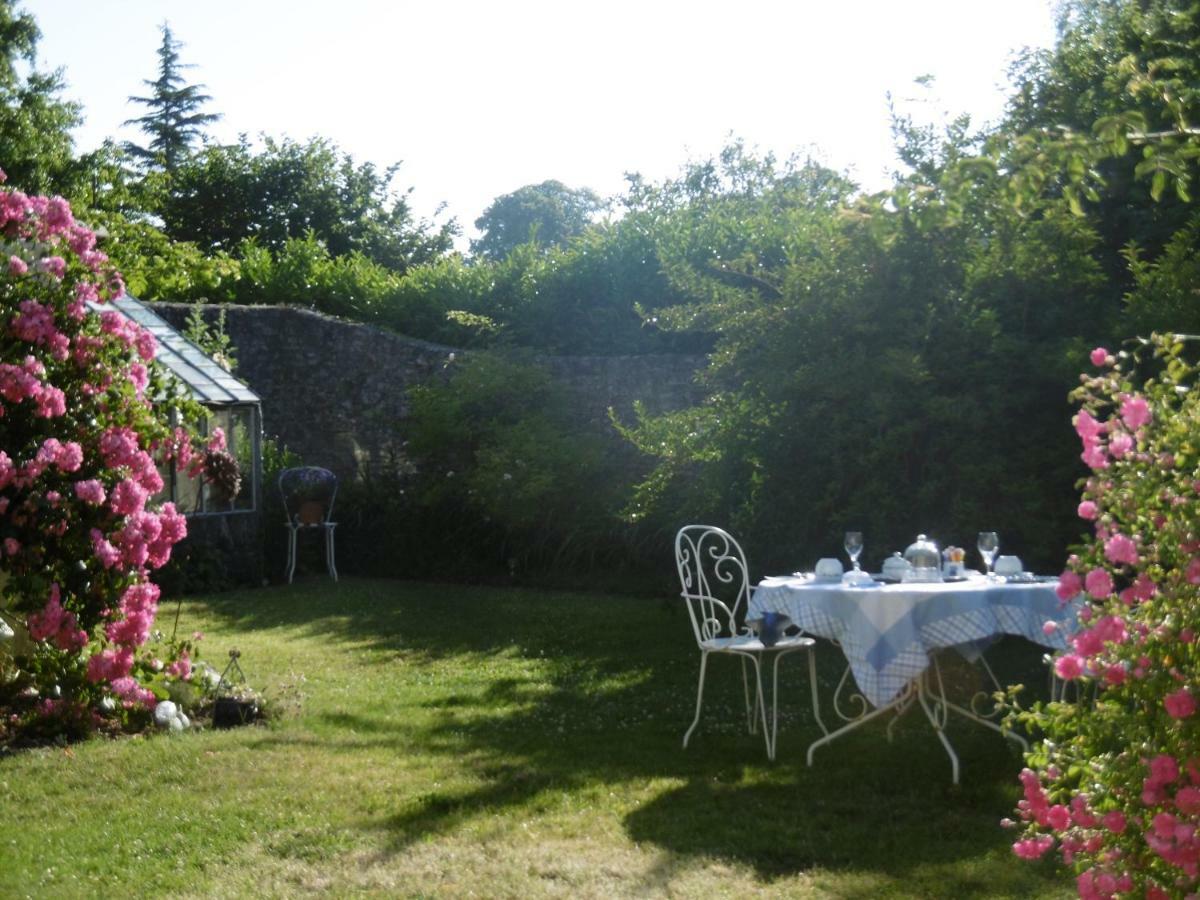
(771, 627)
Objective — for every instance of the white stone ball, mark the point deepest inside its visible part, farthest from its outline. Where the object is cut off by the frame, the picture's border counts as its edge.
(165, 712)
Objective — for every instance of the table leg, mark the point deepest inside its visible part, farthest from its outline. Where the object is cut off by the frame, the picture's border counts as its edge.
(902, 700)
(938, 722)
(936, 707)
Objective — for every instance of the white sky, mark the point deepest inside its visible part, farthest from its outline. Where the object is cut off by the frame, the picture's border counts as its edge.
(479, 98)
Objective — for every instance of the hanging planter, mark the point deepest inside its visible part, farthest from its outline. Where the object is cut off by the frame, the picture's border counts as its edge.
(235, 704)
(230, 712)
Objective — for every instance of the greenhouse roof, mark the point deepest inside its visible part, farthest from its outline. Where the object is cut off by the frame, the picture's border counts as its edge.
(208, 382)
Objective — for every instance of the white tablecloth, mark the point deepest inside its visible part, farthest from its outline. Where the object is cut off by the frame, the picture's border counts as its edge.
(888, 631)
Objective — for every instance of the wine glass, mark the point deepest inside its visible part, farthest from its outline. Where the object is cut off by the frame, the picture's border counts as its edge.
(854, 547)
(989, 545)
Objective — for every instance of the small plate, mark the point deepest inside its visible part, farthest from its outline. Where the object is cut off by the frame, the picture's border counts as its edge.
(1021, 578)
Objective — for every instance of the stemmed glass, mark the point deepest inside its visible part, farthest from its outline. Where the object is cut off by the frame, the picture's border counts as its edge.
(989, 545)
(854, 547)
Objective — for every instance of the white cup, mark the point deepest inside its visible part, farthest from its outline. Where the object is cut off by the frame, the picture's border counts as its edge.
(1008, 565)
(829, 567)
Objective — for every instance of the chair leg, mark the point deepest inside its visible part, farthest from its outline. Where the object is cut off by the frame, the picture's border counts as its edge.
(774, 705)
(329, 552)
(699, 698)
(761, 706)
(291, 553)
(751, 712)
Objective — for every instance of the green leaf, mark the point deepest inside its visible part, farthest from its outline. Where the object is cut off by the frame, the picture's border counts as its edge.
(1072, 198)
(1158, 184)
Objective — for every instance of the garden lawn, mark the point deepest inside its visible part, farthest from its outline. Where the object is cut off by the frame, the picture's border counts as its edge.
(449, 741)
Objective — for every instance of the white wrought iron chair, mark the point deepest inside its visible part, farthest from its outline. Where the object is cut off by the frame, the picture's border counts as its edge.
(711, 563)
(308, 495)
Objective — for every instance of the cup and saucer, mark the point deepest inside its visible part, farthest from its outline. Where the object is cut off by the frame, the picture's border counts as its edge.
(828, 571)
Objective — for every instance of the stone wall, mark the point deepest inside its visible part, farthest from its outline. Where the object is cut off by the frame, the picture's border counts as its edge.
(335, 392)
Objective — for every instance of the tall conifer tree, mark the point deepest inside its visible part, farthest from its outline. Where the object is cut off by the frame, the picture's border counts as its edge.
(174, 120)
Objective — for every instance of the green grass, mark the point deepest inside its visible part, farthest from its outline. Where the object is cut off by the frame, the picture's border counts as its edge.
(446, 741)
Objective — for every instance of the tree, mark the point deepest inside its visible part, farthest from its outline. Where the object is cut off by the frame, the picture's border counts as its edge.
(227, 194)
(869, 360)
(1112, 107)
(549, 213)
(35, 124)
(174, 121)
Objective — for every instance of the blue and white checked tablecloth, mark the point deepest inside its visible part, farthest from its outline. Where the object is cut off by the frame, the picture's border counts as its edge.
(887, 632)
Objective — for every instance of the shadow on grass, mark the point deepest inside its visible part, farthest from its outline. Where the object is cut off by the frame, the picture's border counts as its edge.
(610, 692)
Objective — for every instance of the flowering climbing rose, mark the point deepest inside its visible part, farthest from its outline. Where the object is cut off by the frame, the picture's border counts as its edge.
(1114, 786)
(82, 434)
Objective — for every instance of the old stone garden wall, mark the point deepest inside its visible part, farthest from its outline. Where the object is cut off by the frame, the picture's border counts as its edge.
(335, 392)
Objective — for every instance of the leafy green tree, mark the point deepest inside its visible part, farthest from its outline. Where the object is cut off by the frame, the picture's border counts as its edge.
(1110, 111)
(157, 268)
(225, 195)
(499, 451)
(549, 214)
(174, 120)
(1164, 293)
(35, 123)
(870, 361)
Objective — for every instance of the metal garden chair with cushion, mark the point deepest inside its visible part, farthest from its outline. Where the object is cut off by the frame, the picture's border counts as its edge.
(711, 566)
(308, 495)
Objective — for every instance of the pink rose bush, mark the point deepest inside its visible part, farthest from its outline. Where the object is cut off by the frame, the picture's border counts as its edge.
(1113, 787)
(82, 444)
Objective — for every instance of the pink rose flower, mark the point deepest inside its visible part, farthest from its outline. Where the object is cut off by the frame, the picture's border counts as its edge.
(1135, 411)
(1088, 510)
(1180, 704)
(1094, 456)
(1033, 848)
(1068, 667)
(90, 491)
(1087, 427)
(1114, 821)
(1069, 585)
(1058, 817)
(1121, 549)
(54, 266)
(128, 497)
(1187, 800)
(181, 668)
(1099, 356)
(1120, 444)
(1098, 583)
